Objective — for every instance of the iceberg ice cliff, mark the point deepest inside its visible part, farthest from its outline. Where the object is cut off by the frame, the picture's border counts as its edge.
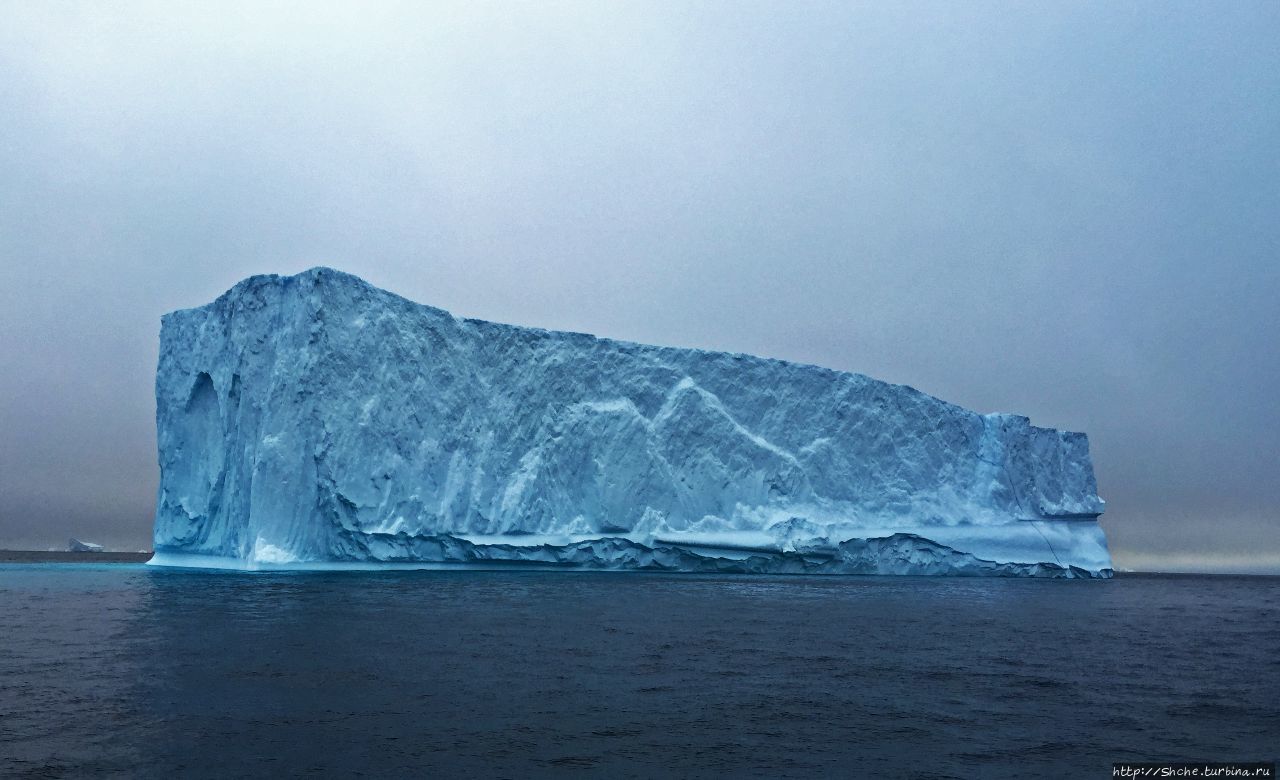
(316, 421)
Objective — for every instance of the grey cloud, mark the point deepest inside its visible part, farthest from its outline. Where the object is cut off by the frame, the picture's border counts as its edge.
(1067, 212)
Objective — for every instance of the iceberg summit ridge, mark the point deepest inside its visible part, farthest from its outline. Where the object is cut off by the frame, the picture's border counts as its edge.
(316, 421)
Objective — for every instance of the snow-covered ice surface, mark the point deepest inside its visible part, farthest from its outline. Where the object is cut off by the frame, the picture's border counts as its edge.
(316, 421)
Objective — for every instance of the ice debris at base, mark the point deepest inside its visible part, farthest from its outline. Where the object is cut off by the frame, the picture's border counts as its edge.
(316, 421)
(75, 545)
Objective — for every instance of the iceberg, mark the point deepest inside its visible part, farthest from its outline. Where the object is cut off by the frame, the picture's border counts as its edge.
(75, 545)
(318, 422)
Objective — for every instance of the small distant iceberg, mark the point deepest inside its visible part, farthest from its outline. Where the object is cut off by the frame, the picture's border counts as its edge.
(75, 545)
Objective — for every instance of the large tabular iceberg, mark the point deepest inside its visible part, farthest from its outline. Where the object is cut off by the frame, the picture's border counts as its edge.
(316, 421)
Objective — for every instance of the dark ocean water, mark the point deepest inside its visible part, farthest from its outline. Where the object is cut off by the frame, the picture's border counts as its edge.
(120, 669)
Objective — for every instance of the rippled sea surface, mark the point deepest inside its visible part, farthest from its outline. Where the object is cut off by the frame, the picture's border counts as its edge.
(122, 669)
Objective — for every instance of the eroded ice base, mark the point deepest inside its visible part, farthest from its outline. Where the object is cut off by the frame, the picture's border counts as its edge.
(1029, 549)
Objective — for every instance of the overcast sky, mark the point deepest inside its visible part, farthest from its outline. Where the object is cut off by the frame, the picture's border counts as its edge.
(1065, 210)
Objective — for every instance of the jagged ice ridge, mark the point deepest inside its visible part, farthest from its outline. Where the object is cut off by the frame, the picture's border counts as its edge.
(316, 421)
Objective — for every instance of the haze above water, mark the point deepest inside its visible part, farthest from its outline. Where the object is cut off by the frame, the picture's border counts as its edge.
(1065, 212)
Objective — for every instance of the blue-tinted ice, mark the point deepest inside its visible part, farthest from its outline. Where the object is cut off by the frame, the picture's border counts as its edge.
(316, 421)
